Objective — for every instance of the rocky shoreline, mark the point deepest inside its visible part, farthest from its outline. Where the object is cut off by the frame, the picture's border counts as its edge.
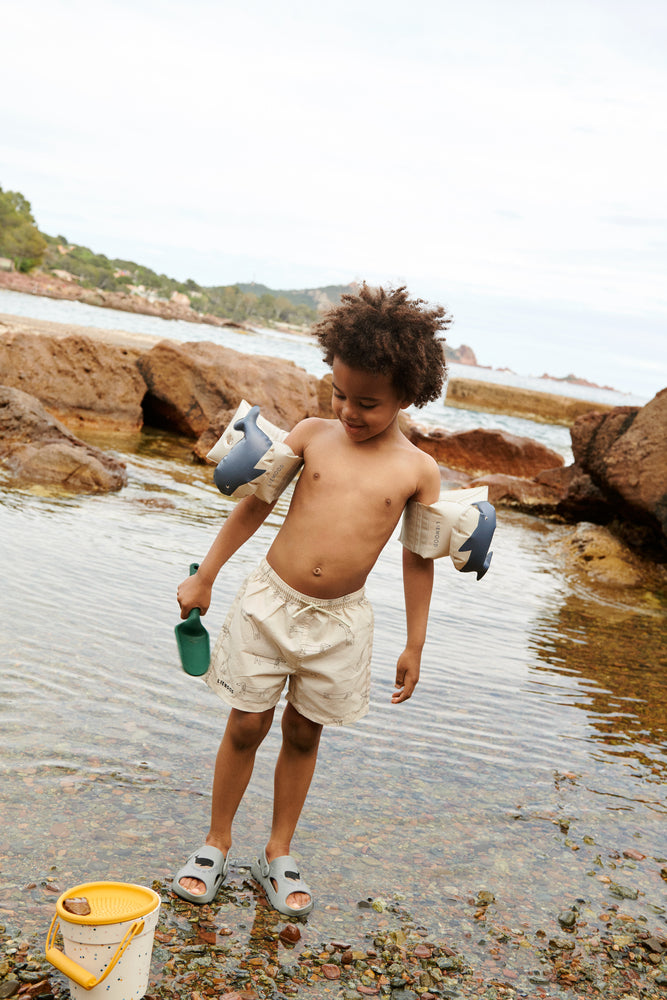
(211, 951)
(60, 382)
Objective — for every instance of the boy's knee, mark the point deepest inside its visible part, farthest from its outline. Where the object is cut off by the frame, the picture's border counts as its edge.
(301, 733)
(248, 729)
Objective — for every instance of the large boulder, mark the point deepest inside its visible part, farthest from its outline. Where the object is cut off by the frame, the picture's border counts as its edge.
(83, 382)
(36, 448)
(193, 388)
(624, 456)
(485, 452)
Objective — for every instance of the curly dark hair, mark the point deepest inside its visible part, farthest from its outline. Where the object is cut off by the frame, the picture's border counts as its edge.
(384, 332)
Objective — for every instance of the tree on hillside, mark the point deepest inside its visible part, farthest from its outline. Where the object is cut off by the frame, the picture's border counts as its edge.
(20, 239)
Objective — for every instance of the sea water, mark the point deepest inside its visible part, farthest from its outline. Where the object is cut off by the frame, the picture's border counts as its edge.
(532, 754)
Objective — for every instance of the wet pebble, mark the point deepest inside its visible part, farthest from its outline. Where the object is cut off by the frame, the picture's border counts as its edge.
(78, 905)
(290, 934)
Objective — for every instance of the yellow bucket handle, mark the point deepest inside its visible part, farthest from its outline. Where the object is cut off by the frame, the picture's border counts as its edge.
(75, 972)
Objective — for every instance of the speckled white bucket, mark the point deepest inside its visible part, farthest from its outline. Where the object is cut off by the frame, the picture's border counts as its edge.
(93, 946)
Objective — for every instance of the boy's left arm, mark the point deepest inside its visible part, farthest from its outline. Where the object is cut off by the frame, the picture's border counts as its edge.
(417, 586)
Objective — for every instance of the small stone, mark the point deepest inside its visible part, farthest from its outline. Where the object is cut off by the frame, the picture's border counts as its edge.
(78, 905)
(567, 918)
(347, 957)
(633, 854)
(623, 891)
(8, 988)
(290, 934)
(422, 951)
(331, 971)
(484, 898)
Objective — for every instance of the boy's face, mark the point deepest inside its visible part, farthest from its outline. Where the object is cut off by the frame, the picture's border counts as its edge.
(366, 405)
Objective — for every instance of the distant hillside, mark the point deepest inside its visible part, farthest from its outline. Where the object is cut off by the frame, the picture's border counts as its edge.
(124, 284)
(315, 298)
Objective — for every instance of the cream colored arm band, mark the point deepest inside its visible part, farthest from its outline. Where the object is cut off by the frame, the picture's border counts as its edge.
(460, 525)
(252, 457)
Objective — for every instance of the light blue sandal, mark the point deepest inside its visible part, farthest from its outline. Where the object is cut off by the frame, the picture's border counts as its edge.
(284, 872)
(209, 865)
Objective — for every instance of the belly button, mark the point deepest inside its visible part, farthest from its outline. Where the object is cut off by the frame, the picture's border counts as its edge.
(387, 501)
(317, 571)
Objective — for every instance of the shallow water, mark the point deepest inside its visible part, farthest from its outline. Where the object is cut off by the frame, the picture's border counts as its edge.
(531, 756)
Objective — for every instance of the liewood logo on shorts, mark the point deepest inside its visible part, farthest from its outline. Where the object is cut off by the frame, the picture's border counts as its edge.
(224, 684)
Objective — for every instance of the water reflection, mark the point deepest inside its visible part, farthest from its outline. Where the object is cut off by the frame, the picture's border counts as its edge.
(619, 655)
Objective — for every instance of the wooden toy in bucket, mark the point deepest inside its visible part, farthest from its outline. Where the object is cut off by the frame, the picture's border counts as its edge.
(107, 930)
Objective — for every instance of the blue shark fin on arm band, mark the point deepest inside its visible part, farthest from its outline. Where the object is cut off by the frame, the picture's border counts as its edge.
(459, 525)
(252, 457)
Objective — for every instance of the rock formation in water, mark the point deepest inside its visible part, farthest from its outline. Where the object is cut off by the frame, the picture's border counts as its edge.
(82, 382)
(623, 455)
(36, 448)
(618, 478)
(619, 475)
(194, 389)
(484, 452)
(542, 407)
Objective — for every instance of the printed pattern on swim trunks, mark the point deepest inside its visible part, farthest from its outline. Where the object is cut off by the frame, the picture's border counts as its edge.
(273, 634)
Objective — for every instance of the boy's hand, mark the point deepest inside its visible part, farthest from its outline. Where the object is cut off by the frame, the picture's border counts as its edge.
(192, 593)
(407, 675)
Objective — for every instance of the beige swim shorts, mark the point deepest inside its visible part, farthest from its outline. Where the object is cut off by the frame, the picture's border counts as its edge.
(273, 634)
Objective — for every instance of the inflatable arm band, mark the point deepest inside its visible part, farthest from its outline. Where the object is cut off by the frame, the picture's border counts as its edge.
(252, 457)
(460, 525)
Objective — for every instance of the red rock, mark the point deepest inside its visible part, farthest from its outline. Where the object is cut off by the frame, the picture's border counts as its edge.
(81, 381)
(633, 854)
(524, 494)
(423, 951)
(189, 384)
(623, 455)
(368, 991)
(209, 937)
(485, 452)
(36, 448)
(331, 971)
(290, 934)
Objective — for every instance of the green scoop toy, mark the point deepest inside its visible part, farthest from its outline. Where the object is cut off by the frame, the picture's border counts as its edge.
(192, 640)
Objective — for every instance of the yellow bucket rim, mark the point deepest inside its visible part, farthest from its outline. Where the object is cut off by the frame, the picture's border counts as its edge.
(110, 902)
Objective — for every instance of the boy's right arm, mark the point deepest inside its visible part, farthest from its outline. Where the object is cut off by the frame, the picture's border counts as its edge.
(242, 523)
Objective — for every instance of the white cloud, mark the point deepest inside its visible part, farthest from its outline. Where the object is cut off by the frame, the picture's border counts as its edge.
(487, 148)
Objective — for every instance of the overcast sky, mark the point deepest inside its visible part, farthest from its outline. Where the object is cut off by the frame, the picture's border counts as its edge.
(507, 158)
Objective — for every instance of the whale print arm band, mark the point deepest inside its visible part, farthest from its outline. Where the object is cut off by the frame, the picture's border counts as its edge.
(459, 525)
(252, 457)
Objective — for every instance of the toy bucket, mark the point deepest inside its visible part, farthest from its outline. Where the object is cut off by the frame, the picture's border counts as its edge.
(107, 950)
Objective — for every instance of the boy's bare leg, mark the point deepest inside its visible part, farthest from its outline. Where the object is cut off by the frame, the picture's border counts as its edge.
(233, 767)
(293, 774)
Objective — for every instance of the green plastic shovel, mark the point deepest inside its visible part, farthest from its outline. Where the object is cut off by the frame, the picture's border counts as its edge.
(192, 640)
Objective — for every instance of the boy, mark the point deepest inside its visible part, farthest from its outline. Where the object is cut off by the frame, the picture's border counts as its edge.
(303, 614)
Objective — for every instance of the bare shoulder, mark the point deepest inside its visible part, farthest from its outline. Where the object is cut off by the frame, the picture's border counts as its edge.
(306, 431)
(427, 476)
